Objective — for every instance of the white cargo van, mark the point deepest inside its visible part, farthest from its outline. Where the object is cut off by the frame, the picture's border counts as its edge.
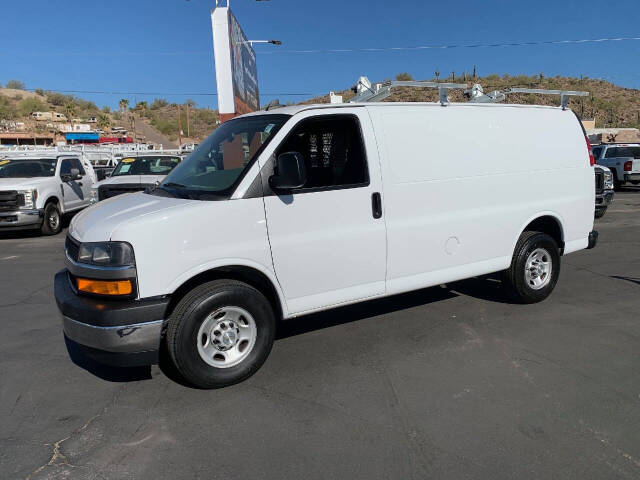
(282, 213)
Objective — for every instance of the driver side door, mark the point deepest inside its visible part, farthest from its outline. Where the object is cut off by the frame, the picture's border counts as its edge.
(73, 196)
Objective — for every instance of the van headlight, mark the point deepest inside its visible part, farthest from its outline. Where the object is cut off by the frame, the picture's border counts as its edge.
(608, 180)
(94, 196)
(106, 254)
(27, 199)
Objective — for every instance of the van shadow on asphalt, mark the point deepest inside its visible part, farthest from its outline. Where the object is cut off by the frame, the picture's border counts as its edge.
(487, 288)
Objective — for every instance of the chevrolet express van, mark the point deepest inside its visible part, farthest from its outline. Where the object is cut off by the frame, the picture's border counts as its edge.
(305, 208)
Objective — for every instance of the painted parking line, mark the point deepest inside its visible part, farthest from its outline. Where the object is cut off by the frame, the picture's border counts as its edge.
(9, 258)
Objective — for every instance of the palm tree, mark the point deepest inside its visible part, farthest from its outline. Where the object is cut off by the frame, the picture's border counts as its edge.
(71, 111)
(104, 121)
(124, 103)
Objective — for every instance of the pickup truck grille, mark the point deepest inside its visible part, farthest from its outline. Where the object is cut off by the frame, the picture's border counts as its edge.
(72, 247)
(108, 191)
(599, 182)
(9, 200)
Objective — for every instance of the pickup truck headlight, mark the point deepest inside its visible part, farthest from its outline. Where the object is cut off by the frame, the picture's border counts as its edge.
(27, 199)
(94, 196)
(608, 181)
(106, 254)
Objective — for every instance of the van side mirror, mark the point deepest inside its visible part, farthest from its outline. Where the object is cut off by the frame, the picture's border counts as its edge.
(290, 172)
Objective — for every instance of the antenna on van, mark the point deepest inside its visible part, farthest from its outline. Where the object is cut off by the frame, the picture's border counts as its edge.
(365, 92)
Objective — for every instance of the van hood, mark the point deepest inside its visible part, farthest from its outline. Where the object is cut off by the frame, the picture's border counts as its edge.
(23, 183)
(97, 223)
(130, 180)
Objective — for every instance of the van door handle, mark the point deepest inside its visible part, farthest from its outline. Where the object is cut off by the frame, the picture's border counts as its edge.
(376, 205)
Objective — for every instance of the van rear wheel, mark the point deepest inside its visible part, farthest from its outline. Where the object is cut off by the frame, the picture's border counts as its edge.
(220, 333)
(534, 269)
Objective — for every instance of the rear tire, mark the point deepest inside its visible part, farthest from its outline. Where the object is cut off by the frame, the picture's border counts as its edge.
(534, 269)
(52, 221)
(220, 333)
(600, 212)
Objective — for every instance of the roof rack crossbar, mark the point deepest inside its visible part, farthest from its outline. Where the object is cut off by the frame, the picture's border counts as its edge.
(478, 96)
(365, 92)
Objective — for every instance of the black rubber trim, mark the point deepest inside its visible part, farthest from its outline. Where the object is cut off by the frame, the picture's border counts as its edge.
(105, 312)
(593, 239)
(113, 359)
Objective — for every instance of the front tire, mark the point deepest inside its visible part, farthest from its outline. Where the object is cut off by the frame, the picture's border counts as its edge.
(52, 222)
(600, 212)
(220, 333)
(534, 269)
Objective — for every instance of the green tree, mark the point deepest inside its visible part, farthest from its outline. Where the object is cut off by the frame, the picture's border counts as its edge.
(104, 121)
(15, 84)
(124, 103)
(158, 103)
(70, 108)
(404, 76)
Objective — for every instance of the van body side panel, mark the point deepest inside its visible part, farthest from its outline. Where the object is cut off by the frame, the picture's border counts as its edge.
(196, 236)
(327, 248)
(461, 182)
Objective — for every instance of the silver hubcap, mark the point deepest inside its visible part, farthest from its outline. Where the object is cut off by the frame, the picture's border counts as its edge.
(226, 337)
(54, 219)
(537, 271)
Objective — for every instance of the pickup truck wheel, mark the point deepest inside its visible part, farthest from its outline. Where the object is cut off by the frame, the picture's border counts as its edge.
(52, 222)
(534, 269)
(220, 333)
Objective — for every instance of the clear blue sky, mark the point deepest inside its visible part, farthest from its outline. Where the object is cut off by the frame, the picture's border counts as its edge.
(166, 46)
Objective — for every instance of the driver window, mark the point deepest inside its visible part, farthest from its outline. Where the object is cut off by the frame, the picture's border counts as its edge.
(333, 151)
(65, 167)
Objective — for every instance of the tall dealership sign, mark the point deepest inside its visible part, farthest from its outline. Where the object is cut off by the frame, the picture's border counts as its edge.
(236, 71)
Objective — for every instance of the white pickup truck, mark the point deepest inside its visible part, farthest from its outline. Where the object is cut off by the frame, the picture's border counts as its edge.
(36, 190)
(623, 159)
(135, 173)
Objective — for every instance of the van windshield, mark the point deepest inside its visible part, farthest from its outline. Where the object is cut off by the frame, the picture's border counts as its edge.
(213, 170)
(28, 168)
(147, 165)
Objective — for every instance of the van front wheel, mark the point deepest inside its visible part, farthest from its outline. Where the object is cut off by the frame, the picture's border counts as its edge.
(220, 333)
(534, 269)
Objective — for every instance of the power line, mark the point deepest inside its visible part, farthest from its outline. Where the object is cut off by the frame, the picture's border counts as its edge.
(453, 46)
(331, 50)
(176, 94)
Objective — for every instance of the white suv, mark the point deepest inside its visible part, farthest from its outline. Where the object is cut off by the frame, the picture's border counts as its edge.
(37, 189)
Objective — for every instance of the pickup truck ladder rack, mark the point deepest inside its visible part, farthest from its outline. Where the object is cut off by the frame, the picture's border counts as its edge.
(478, 96)
(365, 92)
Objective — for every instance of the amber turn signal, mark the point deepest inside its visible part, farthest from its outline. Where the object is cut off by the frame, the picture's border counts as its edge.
(102, 287)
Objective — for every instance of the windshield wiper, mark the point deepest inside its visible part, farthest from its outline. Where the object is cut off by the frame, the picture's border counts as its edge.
(173, 184)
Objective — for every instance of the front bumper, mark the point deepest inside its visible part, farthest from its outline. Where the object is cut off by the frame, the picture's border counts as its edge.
(116, 332)
(604, 199)
(21, 219)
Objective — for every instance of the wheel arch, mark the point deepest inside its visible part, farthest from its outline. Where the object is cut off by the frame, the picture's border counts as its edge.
(258, 279)
(546, 222)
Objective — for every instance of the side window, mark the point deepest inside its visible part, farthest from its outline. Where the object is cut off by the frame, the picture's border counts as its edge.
(333, 151)
(65, 167)
(75, 163)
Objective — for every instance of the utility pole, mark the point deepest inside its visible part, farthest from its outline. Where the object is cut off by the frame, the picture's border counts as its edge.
(188, 126)
(179, 126)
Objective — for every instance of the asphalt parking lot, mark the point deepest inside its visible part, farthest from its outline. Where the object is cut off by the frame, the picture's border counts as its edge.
(447, 382)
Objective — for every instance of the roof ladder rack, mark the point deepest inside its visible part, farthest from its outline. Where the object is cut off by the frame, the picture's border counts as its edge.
(365, 92)
(478, 96)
